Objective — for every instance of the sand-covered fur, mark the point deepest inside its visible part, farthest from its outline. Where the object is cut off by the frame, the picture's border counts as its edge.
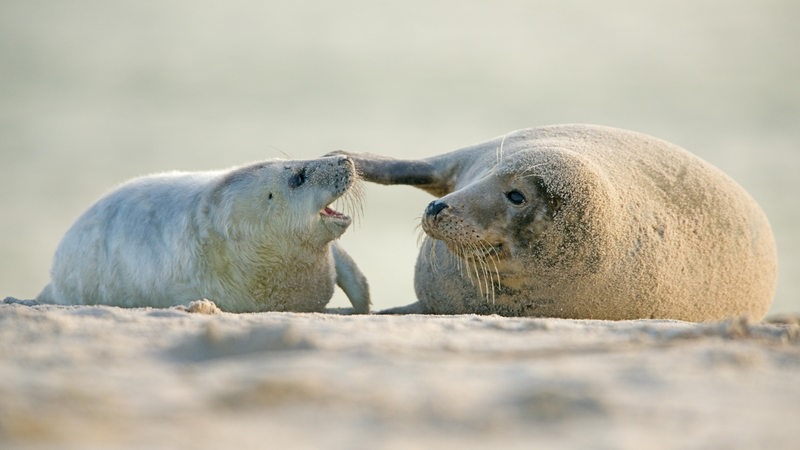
(253, 238)
(581, 221)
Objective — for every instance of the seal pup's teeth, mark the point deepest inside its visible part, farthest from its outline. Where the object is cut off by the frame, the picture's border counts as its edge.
(330, 212)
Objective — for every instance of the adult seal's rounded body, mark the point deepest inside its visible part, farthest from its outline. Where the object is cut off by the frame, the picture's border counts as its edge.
(253, 238)
(581, 221)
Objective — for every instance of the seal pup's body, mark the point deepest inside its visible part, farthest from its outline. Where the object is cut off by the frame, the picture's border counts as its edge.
(581, 221)
(254, 238)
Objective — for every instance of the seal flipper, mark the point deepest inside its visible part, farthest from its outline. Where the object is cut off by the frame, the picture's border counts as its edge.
(431, 175)
(16, 301)
(351, 280)
(414, 308)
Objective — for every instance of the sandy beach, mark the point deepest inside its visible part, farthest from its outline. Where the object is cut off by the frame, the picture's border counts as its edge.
(95, 94)
(103, 377)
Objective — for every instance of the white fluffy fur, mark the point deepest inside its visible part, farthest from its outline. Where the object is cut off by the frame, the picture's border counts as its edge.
(250, 239)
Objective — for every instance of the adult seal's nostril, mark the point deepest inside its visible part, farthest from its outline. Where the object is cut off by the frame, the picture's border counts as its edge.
(435, 207)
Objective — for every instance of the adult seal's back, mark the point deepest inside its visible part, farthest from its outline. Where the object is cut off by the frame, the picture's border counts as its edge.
(582, 221)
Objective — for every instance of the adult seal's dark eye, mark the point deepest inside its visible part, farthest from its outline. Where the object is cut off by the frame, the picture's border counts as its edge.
(297, 179)
(515, 197)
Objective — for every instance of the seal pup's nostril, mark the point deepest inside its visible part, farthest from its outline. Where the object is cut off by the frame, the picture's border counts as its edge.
(435, 207)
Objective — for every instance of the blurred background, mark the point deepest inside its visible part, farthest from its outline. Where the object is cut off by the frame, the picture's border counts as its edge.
(95, 92)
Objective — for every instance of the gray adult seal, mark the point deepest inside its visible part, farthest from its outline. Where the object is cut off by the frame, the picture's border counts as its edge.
(253, 238)
(589, 222)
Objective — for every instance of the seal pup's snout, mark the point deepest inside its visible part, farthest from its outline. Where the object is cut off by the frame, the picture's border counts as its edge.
(337, 161)
(338, 174)
(435, 207)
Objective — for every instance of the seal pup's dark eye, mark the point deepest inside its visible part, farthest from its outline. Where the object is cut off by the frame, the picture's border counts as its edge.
(515, 197)
(297, 179)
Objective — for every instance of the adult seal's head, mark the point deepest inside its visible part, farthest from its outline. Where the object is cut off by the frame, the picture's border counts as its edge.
(583, 221)
(253, 238)
(509, 221)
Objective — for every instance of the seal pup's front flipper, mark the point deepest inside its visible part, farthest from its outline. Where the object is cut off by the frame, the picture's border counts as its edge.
(351, 280)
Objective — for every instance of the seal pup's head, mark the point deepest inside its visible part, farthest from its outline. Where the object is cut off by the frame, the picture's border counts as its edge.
(287, 199)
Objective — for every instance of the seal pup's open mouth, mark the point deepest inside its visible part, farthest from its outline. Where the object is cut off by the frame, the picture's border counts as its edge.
(328, 213)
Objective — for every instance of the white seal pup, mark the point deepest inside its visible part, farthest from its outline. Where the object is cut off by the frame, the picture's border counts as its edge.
(255, 238)
(580, 221)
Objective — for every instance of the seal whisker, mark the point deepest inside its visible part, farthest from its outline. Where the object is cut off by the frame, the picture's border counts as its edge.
(487, 274)
(499, 151)
(528, 171)
(352, 201)
(358, 197)
(462, 261)
(421, 235)
(491, 257)
(473, 272)
(432, 258)
(459, 260)
(478, 269)
(476, 262)
(493, 260)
